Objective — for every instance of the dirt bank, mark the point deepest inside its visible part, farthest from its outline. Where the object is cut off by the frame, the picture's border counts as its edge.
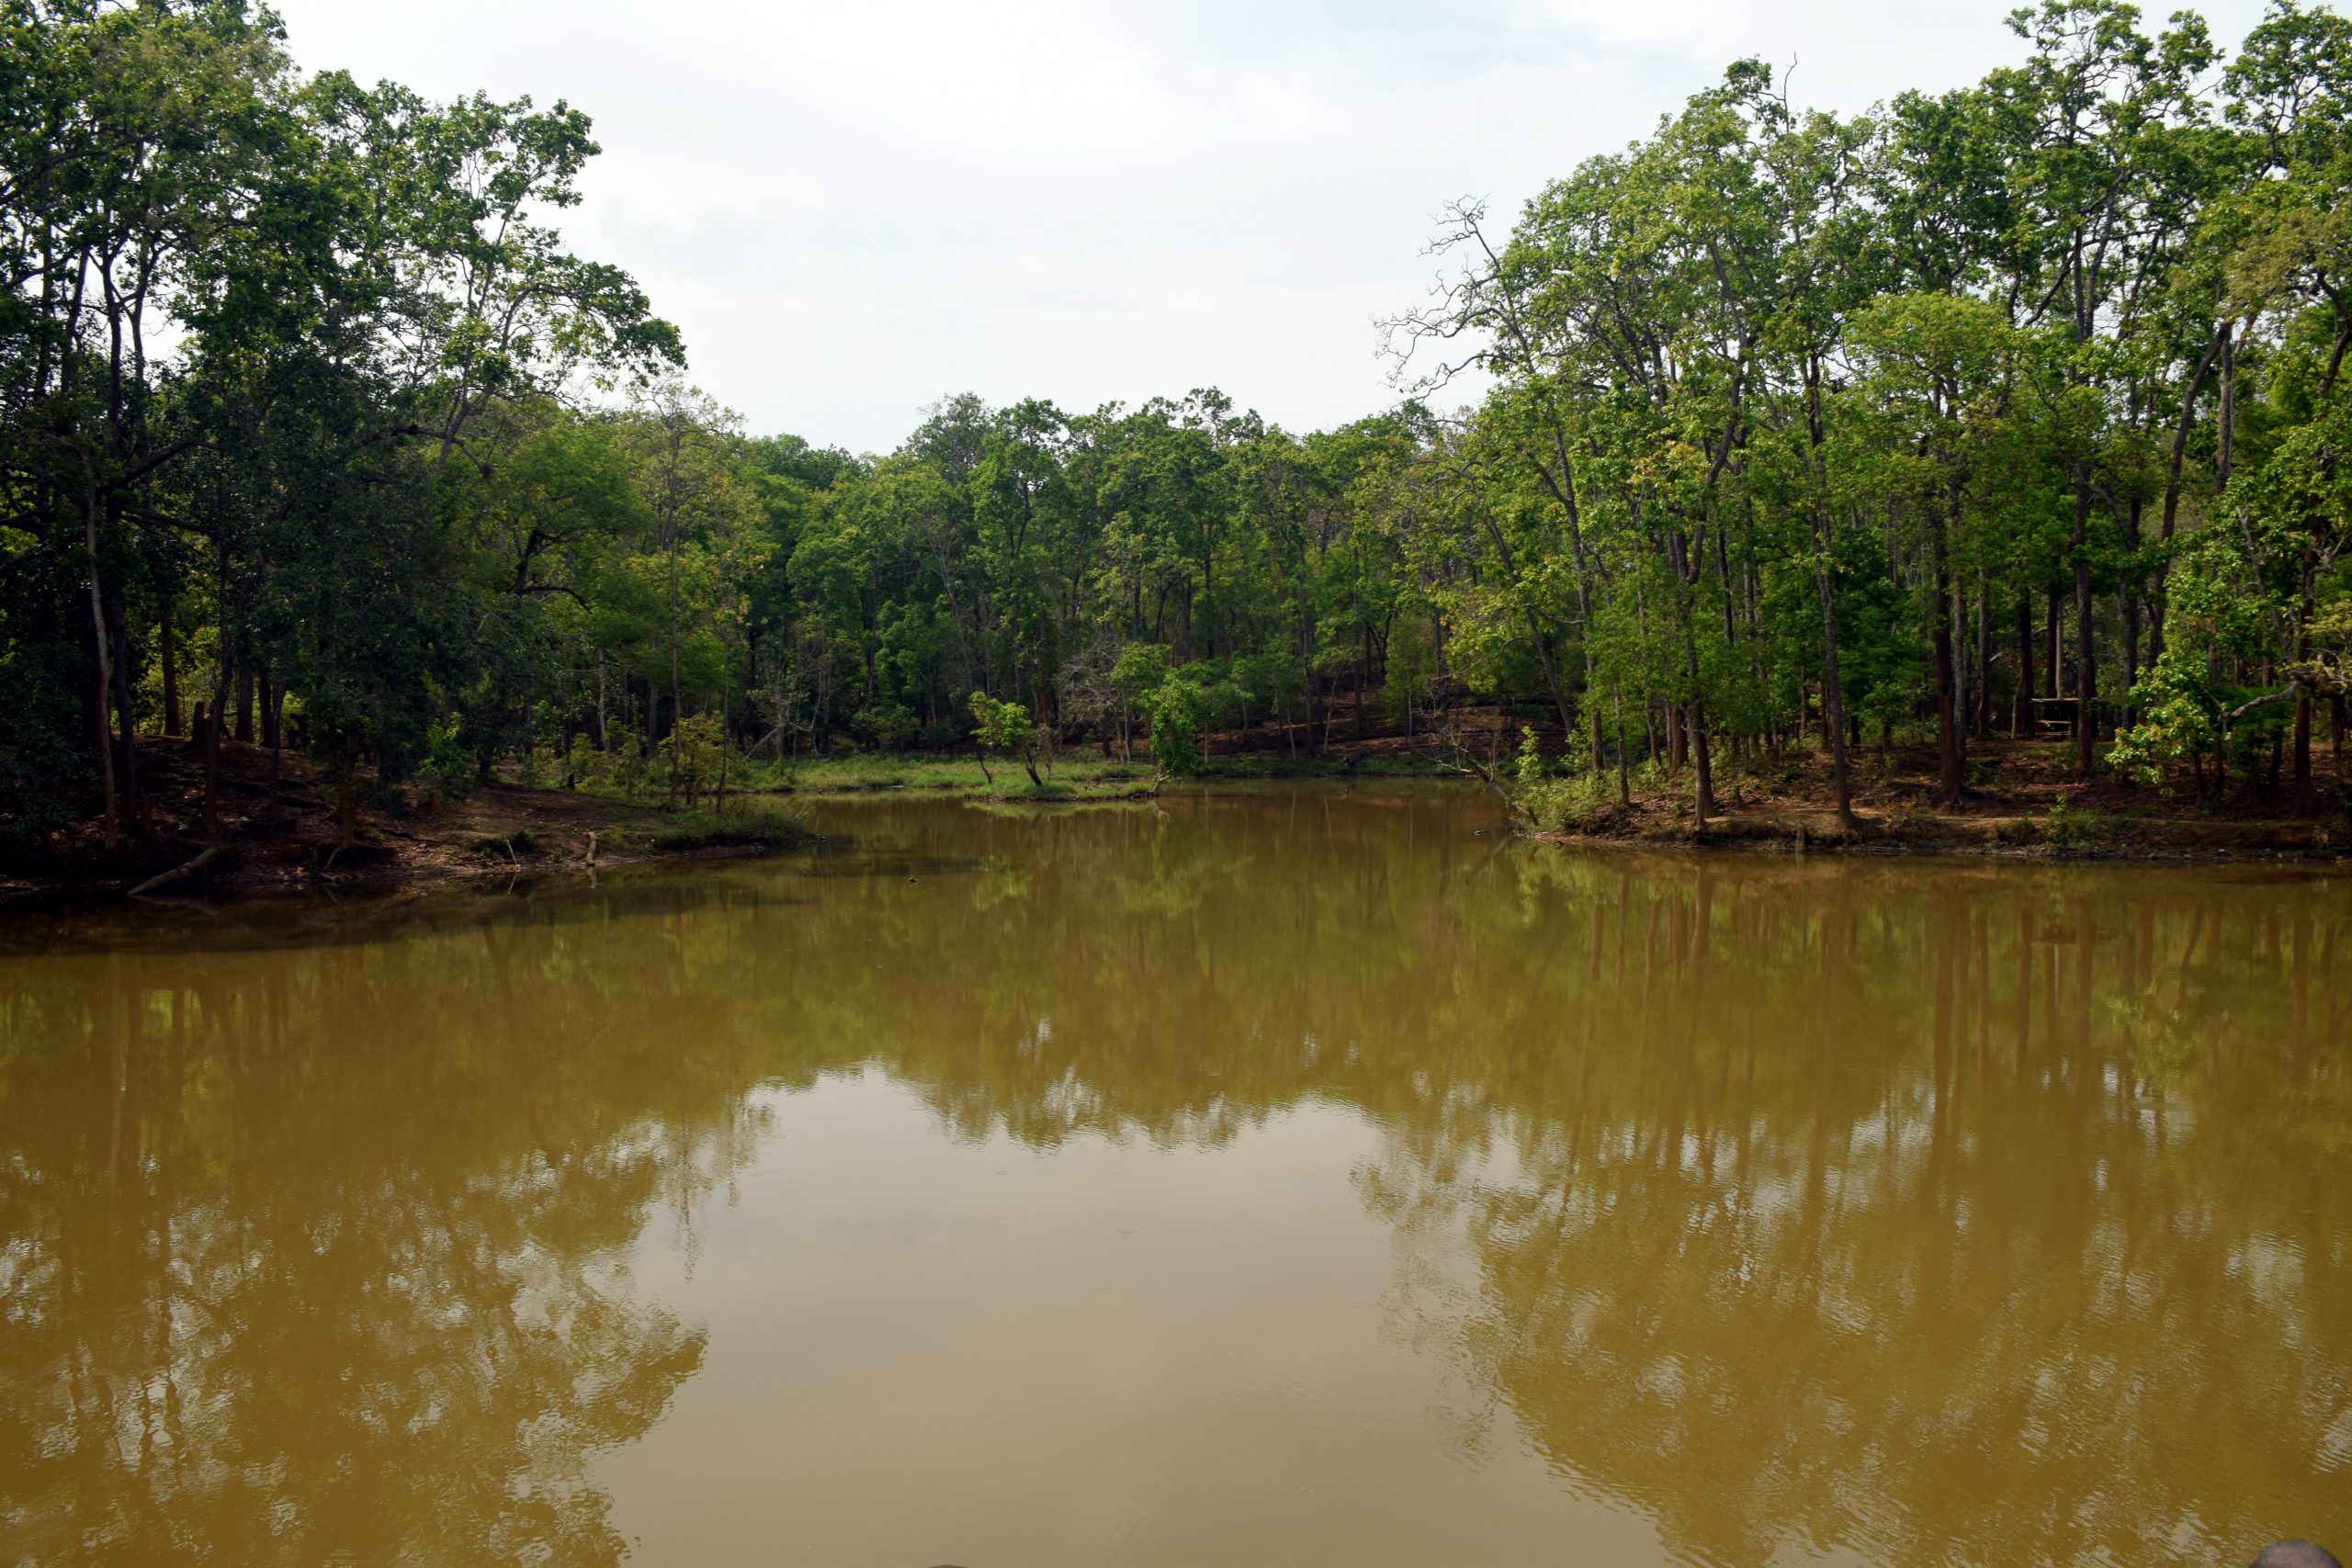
(275, 831)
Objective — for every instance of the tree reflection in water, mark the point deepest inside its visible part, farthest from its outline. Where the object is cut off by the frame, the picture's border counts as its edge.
(1938, 1213)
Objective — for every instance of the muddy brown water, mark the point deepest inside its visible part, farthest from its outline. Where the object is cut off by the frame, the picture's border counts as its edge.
(1272, 1177)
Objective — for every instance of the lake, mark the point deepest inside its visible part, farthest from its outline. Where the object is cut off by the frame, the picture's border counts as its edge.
(1260, 1177)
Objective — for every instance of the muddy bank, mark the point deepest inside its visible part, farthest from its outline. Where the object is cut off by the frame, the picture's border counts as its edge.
(278, 827)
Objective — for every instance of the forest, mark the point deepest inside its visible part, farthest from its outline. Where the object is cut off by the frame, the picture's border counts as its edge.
(2005, 412)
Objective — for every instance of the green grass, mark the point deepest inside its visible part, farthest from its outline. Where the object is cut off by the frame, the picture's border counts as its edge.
(760, 826)
(1074, 776)
(1077, 775)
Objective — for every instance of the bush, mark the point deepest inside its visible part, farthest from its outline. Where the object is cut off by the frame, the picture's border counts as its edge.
(696, 750)
(445, 767)
(2071, 827)
(1174, 710)
(583, 765)
(1579, 803)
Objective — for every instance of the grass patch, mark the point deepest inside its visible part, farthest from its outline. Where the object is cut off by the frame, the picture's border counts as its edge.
(691, 830)
(858, 772)
(1076, 775)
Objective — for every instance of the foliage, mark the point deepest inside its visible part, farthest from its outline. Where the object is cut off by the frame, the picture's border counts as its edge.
(1793, 429)
(1175, 709)
(694, 753)
(2066, 826)
(1005, 726)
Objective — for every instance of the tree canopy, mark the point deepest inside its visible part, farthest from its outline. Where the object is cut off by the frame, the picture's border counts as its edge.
(2016, 408)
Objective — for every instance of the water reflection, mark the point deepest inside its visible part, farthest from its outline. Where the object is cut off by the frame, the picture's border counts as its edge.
(1934, 1213)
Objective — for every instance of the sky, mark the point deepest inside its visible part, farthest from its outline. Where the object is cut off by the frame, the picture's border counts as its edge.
(856, 207)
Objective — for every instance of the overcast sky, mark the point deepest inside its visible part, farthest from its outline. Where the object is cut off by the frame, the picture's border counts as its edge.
(852, 207)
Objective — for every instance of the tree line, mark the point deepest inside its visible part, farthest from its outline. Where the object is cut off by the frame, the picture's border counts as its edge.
(2011, 410)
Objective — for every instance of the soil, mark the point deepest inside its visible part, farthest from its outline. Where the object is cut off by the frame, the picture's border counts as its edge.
(2024, 798)
(285, 831)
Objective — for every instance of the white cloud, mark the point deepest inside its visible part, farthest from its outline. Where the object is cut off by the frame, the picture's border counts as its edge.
(853, 209)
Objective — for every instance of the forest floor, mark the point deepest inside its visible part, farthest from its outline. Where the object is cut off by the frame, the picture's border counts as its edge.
(2023, 798)
(289, 833)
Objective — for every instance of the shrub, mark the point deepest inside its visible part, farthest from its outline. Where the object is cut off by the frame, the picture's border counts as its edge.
(1175, 709)
(2070, 827)
(695, 748)
(1579, 803)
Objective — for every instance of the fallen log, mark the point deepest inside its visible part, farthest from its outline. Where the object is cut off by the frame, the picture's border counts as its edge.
(164, 878)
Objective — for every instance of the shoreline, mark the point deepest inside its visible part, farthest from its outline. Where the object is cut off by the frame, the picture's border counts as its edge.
(2180, 840)
(283, 832)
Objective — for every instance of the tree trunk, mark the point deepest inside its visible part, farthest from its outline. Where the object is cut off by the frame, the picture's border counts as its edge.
(169, 637)
(2021, 704)
(1946, 703)
(2226, 435)
(127, 771)
(112, 831)
(213, 720)
(2306, 793)
(1983, 716)
(1833, 694)
(347, 790)
(2336, 737)
(2057, 645)
(2085, 662)
(273, 725)
(2171, 500)
(1698, 750)
(1625, 784)
(604, 730)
